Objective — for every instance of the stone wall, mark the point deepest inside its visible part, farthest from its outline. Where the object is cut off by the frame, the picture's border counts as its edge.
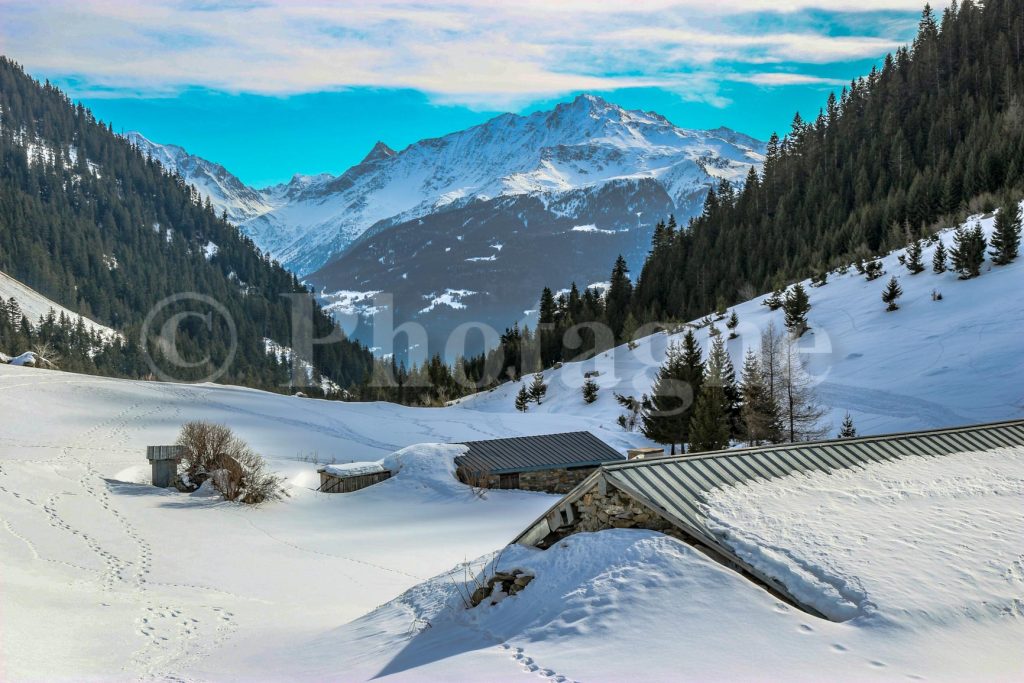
(615, 510)
(547, 481)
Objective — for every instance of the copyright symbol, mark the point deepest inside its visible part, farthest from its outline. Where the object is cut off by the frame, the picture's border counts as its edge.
(169, 333)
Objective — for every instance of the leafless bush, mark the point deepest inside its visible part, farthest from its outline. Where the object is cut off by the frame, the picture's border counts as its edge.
(212, 451)
(478, 480)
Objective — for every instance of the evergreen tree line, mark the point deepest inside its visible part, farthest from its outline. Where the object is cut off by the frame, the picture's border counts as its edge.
(89, 221)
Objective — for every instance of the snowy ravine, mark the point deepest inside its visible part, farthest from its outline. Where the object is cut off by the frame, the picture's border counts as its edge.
(930, 364)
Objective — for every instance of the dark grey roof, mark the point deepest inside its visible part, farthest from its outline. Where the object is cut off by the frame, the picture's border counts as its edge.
(678, 486)
(529, 453)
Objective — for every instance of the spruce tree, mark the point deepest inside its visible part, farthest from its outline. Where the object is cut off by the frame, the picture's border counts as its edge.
(796, 306)
(1006, 236)
(629, 328)
(522, 399)
(590, 389)
(939, 258)
(968, 252)
(620, 292)
(720, 369)
(913, 259)
(667, 413)
(709, 427)
(847, 431)
(538, 388)
(891, 293)
(732, 324)
(759, 412)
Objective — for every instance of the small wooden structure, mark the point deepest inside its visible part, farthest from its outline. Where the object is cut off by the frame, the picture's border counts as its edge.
(352, 476)
(644, 453)
(164, 460)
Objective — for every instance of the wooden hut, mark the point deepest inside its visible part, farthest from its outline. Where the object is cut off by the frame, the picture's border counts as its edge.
(352, 476)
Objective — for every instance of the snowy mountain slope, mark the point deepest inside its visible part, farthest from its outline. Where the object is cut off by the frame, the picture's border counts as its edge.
(34, 305)
(929, 364)
(500, 251)
(225, 191)
(580, 144)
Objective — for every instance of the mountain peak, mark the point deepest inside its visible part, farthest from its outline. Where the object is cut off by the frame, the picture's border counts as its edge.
(379, 151)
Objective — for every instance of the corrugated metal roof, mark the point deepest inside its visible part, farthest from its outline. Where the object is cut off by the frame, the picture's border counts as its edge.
(529, 453)
(678, 485)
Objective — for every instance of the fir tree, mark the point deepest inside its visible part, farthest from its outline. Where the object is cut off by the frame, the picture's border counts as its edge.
(968, 252)
(538, 388)
(759, 412)
(732, 324)
(847, 431)
(590, 389)
(1006, 236)
(913, 259)
(939, 258)
(666, 415)
(629, 328)
(620, 291)
(522, 399)
(796, 306)
(891, 293)
(709, 427)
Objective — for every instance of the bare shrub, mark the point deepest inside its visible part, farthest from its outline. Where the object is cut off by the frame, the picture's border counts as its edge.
(212, 451)
(478, 480)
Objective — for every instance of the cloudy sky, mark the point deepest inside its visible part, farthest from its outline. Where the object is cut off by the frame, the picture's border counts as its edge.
(275, 87)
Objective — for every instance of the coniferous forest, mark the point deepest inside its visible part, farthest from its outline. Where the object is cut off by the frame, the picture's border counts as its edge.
(912, 147)
(88, 221)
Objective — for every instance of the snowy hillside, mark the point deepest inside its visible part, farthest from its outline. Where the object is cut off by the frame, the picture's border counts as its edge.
(34, 305)
(929, 364)
(225, 191)
(582, 144)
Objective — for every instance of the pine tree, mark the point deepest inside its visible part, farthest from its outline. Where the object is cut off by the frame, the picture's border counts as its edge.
(538, 388)
(666, 415)
(968, 252)
(1006, 236)
(892, 292)
(939, 258)
(913, 259)
(732, 324)
(759, 412)
(629, 328)
(590, 389)
(796, 306)
(710, 425)
(522, 399)
(847, 431)
(720, 369)
(620, 291)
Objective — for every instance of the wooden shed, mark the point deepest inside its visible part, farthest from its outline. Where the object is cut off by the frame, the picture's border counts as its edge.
(352, 476)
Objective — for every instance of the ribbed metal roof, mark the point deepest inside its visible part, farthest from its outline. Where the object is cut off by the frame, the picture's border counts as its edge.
(678, 485)
(530, 453)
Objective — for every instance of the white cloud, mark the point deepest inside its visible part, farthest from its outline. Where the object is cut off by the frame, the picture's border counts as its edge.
(474, 52)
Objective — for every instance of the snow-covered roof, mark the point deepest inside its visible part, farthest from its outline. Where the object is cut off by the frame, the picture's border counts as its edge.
(678, 488)
(352, 469)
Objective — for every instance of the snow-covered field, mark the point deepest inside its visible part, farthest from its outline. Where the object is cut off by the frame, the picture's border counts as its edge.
(104, 578)
(930, 364)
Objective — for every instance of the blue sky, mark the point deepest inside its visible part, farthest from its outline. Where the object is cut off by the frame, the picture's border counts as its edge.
(273, 87)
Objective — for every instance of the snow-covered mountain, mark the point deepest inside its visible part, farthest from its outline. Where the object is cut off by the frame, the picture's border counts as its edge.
(585, 143)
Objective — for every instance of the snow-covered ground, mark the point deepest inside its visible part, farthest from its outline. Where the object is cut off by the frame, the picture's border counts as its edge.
(102, 577)
(34, 305)
(930, 364)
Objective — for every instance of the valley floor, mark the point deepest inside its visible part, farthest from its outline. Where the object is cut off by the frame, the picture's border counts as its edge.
(106, 578)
